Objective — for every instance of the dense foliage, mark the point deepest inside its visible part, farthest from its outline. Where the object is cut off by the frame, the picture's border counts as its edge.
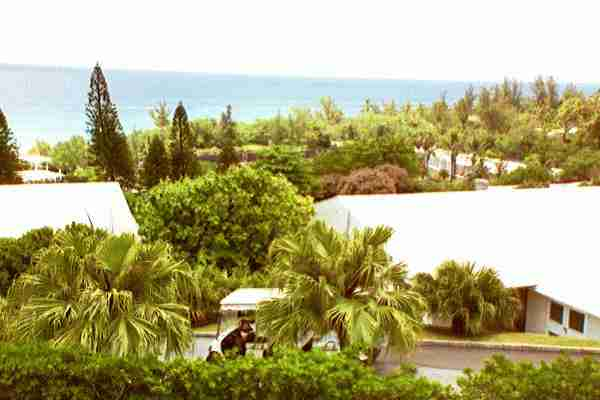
(9, 153)
(470, 298)
(16, 255)
(108, 141)
(345, 284)
(290, 163)
(229, 219)
(156, 166)
(105, 293)
(183, 160)
(36, 372)
(562, 379)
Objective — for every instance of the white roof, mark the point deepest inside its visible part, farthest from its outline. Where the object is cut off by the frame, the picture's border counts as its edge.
(26, 207)
(248, 299)
(534, 237)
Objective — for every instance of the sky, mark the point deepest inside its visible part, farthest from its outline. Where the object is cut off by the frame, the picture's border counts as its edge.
(424, 39)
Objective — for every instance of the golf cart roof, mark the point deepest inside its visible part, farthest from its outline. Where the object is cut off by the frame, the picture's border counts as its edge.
(248, 299)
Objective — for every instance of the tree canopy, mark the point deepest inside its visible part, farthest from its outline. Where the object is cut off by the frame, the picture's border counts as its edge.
(9, 153)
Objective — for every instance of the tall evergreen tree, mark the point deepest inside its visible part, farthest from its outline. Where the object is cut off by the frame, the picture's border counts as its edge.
(9, 153)
(156, 165)
(109, 147)
(228, 139)
(182, 145)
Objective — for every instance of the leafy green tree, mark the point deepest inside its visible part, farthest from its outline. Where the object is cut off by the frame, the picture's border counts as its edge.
(156, 165)
(290, 163)
(40, 148)
(470, 298)
(229, 219)
(347, 284)
(71, 154)
(9, 153)
(227, 141)
(113, 296)
(161, 116)
(183, 159)
(108, 142)
(330, 112)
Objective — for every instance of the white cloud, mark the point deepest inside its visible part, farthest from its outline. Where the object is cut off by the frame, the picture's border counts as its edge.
(426, 39)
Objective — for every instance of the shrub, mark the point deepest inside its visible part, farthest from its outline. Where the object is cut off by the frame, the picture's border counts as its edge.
(533, 174)
(562, 379)
(431, 185)
(399, 176)
(38, 372)
(17, 254)
(581, 166)
(328, 186)
(367, 181)
(289, 163)
(368, 153)
(231, 219)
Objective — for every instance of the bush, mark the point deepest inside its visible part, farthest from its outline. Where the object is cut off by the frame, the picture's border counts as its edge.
(231, 219)
(563, 379)
(289, 163)
(432, 185)
(17, 254)
(39, 372)
(368, 153)
(534, 174)
(399, 176)
(367, 181)
(581, 166)
(327, 187)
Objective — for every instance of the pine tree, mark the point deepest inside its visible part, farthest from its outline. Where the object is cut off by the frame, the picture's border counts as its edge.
(109, 147)
(183, 161)
(156, 164)
(9, 153)
(227, 141)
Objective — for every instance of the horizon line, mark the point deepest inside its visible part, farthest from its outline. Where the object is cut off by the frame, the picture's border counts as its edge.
(480, 82)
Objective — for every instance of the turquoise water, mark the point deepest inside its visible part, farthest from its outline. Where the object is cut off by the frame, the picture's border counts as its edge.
(49, 103)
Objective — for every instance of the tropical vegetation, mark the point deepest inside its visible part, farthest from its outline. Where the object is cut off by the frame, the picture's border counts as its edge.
(104, 293)
(229, 219)
(9, 153)
(347, 284)
(468, 297)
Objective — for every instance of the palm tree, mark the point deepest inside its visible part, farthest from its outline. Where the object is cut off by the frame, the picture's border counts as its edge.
(469, 297)
(342, 283)
(113, 295)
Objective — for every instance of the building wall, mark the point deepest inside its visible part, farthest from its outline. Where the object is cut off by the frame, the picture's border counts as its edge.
(537, 312)
(538, 319)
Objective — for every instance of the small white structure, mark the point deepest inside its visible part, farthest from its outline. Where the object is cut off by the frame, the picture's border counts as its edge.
(26, 207)
(440, 160)
(39, 171)
(247, 299)
(543, 241)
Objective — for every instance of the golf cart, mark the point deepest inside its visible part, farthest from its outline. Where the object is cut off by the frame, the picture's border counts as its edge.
(237, 330)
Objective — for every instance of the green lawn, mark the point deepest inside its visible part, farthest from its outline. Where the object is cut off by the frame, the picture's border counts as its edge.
(210, 328)
(512, 337)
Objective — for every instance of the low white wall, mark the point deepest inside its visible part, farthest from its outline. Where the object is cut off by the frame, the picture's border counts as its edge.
(537, 312)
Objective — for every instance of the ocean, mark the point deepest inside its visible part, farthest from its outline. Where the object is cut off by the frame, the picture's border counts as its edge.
(49, 102)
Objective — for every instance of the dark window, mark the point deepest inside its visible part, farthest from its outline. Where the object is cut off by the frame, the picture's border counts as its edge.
(576, 321)
(556, 312)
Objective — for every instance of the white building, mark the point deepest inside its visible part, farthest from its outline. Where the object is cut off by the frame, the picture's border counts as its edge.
(26, 207)
(39, 171)
(543, 241)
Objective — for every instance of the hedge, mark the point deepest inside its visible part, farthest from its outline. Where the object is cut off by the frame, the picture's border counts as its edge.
(37, 371)
(41, 372)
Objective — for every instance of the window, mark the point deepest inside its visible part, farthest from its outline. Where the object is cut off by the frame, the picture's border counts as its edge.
(556, 312)
(576, 321)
